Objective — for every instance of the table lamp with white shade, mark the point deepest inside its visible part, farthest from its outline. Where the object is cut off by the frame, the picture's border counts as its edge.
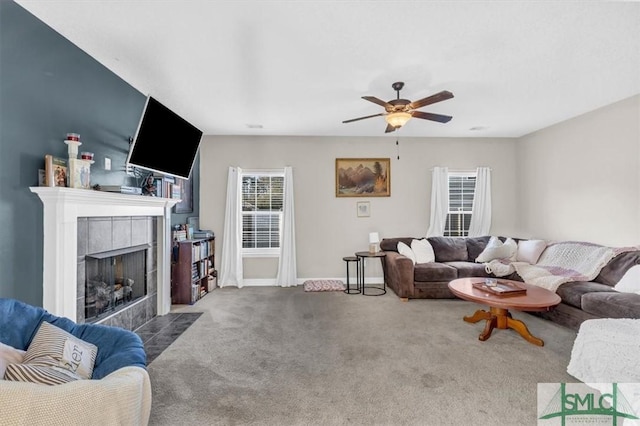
(374, 240)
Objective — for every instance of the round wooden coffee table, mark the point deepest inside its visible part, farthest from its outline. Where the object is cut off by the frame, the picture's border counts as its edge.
(536, 299)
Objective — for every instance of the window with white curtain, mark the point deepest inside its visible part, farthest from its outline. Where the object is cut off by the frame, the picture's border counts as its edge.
(462, 187)
(262, 202)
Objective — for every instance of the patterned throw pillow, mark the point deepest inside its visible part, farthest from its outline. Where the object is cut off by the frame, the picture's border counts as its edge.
(54, 356)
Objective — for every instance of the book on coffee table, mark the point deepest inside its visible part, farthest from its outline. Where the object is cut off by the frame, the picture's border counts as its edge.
(500, 288)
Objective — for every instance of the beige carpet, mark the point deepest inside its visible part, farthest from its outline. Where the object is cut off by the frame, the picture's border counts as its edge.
(275, 356)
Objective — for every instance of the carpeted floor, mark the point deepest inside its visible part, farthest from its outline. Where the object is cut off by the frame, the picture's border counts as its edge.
(277, 356)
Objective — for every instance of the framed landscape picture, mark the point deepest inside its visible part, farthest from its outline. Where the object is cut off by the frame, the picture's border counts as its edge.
(363, 177)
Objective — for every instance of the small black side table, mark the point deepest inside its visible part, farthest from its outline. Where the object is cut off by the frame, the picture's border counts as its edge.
(363, 255)
(349, 259)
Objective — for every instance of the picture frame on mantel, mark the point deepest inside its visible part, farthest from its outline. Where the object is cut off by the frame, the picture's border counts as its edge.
(186, 197)
(363, 177)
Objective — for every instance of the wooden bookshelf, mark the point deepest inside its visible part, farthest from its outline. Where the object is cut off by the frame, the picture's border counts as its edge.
(192, 264)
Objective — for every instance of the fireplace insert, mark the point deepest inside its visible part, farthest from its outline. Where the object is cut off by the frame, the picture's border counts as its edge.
(114, 279)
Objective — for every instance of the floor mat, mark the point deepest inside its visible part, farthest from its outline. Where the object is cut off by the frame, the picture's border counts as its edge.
(323, 285)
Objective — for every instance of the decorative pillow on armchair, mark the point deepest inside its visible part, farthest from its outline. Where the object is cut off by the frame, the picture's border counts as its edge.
(53, 357)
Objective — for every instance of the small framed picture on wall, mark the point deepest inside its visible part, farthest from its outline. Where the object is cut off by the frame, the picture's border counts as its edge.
(363, 208)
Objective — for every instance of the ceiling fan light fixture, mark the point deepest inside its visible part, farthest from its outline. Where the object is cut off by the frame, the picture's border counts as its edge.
(397, 119)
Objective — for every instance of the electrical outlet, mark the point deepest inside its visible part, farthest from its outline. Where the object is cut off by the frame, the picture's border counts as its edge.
(107, 163)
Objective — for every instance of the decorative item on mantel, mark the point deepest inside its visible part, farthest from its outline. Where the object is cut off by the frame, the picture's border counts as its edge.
(79, 174)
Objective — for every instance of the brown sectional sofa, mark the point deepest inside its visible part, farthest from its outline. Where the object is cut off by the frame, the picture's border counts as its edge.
(455, 258)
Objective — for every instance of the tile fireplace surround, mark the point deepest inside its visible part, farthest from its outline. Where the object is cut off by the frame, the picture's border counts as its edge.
(65, 209)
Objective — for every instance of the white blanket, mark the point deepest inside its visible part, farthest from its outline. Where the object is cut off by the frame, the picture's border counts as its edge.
(559, 263)
(121, 398)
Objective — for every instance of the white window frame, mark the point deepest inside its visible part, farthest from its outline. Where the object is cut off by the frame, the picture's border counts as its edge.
(464, 211)
(260, 252)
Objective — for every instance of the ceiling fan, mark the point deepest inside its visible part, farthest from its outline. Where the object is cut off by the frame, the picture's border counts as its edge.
(399, 111)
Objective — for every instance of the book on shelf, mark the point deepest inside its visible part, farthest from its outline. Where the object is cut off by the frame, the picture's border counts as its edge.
(55, 171)
(163, 184)
(180, 235)
(175, 190)
(500, 287)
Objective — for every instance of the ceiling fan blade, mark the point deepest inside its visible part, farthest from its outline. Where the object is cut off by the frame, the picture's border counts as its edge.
(433, 117)
(362, 118)
(438, 97)
(377, 101)
(390, 129)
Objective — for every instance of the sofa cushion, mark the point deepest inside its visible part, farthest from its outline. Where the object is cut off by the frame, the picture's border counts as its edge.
(617, 267)
(612, 304)
(391, 244)
(434, 272)
(449, 249)
(469, 269)
(423, 251)
(571, 293)
(475, 246)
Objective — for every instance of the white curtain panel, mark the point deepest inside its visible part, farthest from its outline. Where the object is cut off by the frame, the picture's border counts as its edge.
(481, 212)
(439, 201)
(231, 257)
(287, 273)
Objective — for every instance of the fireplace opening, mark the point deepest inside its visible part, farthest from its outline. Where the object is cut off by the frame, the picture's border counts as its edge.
(114, 280)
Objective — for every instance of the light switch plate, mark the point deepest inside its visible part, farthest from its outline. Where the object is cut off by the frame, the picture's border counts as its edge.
(107, 163)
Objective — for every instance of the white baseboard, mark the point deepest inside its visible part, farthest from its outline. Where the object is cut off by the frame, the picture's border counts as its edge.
(270, 282)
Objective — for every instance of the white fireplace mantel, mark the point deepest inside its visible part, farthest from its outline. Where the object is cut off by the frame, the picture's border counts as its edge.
(62, 208)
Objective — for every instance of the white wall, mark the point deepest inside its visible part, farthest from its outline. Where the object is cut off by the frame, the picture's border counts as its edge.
(580, 179)
(327, 227)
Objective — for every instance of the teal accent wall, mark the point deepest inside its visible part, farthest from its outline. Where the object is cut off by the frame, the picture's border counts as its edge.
(48, 88)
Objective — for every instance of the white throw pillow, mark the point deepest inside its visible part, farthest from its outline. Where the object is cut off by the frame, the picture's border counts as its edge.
(423, 251)
(530, 250)
(496, 249)
(9, 355)
(513, 248)
(630, 281)
(405, 250)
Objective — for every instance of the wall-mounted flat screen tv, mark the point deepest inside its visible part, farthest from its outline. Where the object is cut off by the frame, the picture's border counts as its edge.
(164, 142)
